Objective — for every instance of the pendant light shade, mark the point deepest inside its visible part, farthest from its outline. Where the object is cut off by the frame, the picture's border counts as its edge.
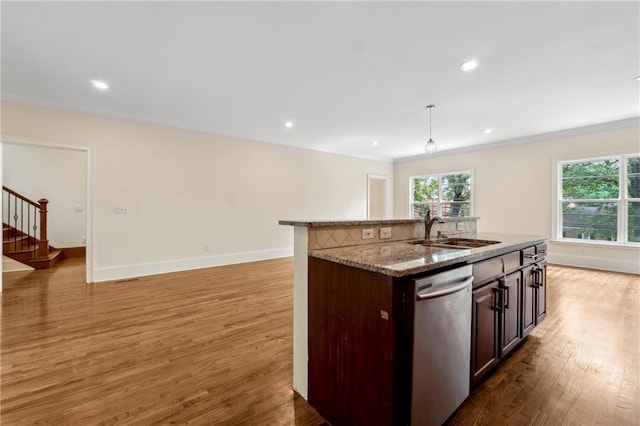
(430, 147)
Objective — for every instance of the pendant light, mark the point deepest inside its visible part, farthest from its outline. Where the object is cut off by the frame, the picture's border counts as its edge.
(430, 147)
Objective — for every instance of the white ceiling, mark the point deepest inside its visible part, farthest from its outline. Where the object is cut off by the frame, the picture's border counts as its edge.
(346, 73)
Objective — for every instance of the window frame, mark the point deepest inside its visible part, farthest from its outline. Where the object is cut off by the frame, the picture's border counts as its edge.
(622, 202)
(439, 176)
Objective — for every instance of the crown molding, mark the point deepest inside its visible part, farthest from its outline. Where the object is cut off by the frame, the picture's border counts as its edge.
(611, 125)
(593, 128)
(176, 125)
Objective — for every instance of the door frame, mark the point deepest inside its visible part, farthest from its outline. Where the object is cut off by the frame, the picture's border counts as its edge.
(385, 201)
(18, 140)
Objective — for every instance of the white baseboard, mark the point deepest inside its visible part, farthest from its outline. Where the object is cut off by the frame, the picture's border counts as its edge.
(594, 263)
(111, 273)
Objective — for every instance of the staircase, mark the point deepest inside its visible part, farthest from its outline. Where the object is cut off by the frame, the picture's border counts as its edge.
(24, 231)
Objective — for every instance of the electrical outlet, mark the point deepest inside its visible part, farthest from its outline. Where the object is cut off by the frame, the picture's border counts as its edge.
(207, 247)
(385, 233)
(367, 234)
(121, 210)
(460, 226)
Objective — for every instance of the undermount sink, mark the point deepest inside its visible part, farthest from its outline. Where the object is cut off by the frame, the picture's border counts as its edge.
(456, 243)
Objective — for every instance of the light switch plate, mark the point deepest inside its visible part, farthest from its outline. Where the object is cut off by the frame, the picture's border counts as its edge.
(367, 234)
(460, 226)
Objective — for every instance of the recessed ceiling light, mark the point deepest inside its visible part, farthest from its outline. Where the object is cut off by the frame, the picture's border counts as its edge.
(487, 130)
(99, 84)
(288, 124)
(375, 143)
(469, 65)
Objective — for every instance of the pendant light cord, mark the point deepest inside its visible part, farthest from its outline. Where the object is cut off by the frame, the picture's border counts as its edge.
(430, 108)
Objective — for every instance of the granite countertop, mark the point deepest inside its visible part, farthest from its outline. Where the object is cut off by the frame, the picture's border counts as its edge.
(365, 222)
(401, 258)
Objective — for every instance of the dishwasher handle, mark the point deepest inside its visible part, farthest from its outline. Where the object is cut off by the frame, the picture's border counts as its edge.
(453, 288)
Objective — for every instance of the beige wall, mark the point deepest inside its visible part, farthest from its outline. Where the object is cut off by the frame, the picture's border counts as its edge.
(513, 190)
(185, 189)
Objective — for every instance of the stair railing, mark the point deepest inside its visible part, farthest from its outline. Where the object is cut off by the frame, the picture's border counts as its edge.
(25, 218)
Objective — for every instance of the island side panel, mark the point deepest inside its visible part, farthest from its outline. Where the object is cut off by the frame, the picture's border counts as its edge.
(351, 344)
(300, 274)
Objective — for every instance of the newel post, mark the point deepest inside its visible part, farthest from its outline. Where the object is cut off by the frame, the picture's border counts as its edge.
(43, 244)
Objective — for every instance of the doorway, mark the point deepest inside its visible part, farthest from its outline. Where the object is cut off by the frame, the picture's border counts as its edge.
(377, 208)
(63, 175)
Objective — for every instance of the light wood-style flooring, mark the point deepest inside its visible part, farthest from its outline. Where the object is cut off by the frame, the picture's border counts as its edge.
(213, 347)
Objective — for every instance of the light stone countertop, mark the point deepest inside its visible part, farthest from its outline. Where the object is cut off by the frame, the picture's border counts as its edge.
(401, 258)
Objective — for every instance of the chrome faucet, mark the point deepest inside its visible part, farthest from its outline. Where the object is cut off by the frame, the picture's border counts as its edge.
(428, 224)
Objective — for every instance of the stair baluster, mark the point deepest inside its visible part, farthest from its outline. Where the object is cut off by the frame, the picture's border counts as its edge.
(19, 238)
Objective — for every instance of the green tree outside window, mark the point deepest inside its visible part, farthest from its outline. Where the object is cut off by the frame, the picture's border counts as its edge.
(442, 194)
(593, 195)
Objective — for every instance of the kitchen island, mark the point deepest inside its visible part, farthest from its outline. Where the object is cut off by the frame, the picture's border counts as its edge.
(364, 323)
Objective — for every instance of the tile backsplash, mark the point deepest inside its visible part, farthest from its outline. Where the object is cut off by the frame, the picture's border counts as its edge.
(343, 236)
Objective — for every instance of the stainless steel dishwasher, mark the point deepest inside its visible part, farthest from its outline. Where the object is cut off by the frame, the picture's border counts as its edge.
(441, 345)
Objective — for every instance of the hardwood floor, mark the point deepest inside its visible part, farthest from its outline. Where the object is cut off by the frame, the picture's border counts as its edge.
(581, 366)
(205, 347)
(213, 346)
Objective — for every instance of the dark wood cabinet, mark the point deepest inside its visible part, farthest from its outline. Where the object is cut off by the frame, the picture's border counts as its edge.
(509, 301)
(356, 323)
(485, 319)
(496, 316)
(528, 300)
(511, 311)
(534, 296)
(540, 285)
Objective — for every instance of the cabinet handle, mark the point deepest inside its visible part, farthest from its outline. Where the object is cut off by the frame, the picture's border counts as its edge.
(502, 283)
(505, 299)
(531, 256)
(537, 278)
(497, 299)
(430, 294)
(501, 305)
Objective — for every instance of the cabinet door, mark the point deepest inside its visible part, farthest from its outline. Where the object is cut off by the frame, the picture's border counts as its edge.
(484, 329)
(351, 322)
(541, 290)
(510, 336)
(528, 300)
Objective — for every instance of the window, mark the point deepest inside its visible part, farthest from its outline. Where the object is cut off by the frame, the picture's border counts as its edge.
(444, 194)
(599, 199)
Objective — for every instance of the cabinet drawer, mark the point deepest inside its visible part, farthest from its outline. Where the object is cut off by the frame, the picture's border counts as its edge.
(533, 254)
(528, 255)
(541, 250)
(491, 268)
